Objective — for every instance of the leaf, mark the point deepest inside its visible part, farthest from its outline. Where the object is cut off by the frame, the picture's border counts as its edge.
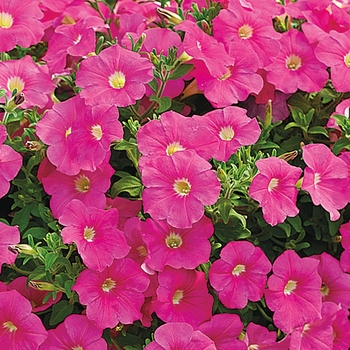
(68, 287)
(38, 274)
(224, 205)
(295, 222)
(129, 184)
(50, 259)
(22, 217)
(343, 142)
(318, 130)
(154, 85)
(60, 311)
(180, 71)
(36, 232)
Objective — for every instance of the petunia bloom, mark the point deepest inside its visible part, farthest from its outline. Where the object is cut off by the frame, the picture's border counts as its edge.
(9, 235)
(274, 188)
(179, 335)
(183, 296)
(76, 332)
(325, 178)
(178, 187)
(113, 295)
(116, 76)
(240, 274)
(294, 291)
(95, 233)
(20, 328)
(176, 247)
(20, 24)
(28, 78)
(10, 163)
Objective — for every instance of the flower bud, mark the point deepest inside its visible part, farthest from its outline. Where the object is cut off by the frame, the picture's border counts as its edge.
(172, 17)
(42, 286)
(23, 249)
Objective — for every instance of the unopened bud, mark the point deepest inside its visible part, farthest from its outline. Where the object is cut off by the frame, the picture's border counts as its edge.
(33, 145)
(16, 101)
(172, 17)
(337, 238)
(23, 249)
(205, 27)
(289, 156)
(42, 286)
(268, 113)
(184, 57)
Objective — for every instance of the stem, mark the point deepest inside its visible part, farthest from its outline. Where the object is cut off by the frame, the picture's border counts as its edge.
(136, 113)
(263, 313)
(17, 269)
(70, 252)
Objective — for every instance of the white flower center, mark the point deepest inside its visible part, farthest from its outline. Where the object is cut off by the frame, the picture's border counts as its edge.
(317, 179)
(6, 20)
(82, 184)
(245, 32)
(226, 133)
(108, 285)
(10, 326)
(89, 233)
(238, 270)
(290, 286)
(173, 240)
(272, 185)
(96, 132)
(174, 147)
(182, 187)
(117, 80)
(293, 62)
(178, 295)
(15, 83)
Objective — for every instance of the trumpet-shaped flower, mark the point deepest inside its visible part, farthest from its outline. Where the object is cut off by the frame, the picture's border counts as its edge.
(176, 247)
(274, 188)
(116, 76)
(182, 296)
(294, 291)
(113, 295)
(20, 24)
(76, 332)
(240, 274)
(20, 328)
(325, 178)
(178, 187)
(10, 163)
(95, 233)
(179, 335)
(28, 78)
(9, 235)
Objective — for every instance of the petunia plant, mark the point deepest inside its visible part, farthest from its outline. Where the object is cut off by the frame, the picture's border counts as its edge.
(174, 174)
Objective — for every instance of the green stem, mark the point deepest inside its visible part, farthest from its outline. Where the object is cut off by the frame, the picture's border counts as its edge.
(70, 252)
(263, 313)
(135, 112)
(17, 269)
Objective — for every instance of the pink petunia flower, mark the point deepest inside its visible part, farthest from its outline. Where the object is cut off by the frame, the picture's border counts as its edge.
(176, 247)
(114, 294)
(95, 233)
(76, 332)
(10, 163)
(296, 66)
(179, 335)
(205, 48)
(20, 24)
(76, 40)
(341, 330)
(173, 133)
(294, 291)
(92, 134)
(274, 188)
(335, 282)
(9, 235)
(259, 337)
(20, 328)
(182, 296)
(345, 260)
(116, 76)
(232, 129)
(334, 51)
(224, 330)
(345, 233)
(318, 334)
(88, 187)
(35, 296)
(240, 274)
(28, 78)
(55, 128)
(325, 178)
(253, 29)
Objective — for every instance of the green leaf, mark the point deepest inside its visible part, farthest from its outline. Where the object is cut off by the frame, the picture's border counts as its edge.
(60, 311)
(38, 274)
(180, 71)
(318, 130)
(68, 287)
(224, 205)
(164, 104)
(343, 142)
(129, 184)
(50, 259)
(22, 217)
(154, 85)
(295, 222)
(124, 145)
(292, 125)
(36, 232)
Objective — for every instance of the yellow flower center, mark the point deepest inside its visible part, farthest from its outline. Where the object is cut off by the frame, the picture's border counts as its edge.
(77, 348)
(77, 40)
(142, 251)
(226, 75)
(347, 59)
(290, 286)
(117, 80)
(6, 20)
(82, 184)
(324, 290)
(245, 32)
(199, 45)
(68, 132)
(173, 240)
(293, 62)
(15, 83)
(227, 133)
(10, 326)
(108, 285)
(182, 187)
(174, 147)
(96, 132)
(272, 185)
(178, 295)
(253, 347)
(238, 270)
(317, 179)
(89, 233)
